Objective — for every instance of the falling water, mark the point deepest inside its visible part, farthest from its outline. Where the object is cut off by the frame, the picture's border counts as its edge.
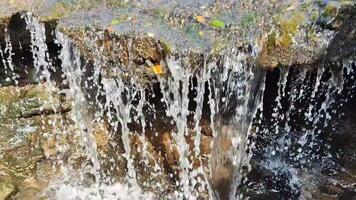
(229, 90)
(118, 105)
(295, 130)
(72, 70)
(39, 47)
(239, 89)
(7, 62)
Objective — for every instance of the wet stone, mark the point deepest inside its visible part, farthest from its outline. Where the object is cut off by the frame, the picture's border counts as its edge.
(31, 100)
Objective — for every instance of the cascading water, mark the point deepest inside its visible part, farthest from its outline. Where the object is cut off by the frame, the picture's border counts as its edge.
(7, 62)
(230, 94)
(294, 134)
(237, 93)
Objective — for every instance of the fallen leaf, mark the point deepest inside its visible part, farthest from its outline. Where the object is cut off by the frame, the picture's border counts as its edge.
(200, 19)
(157, 69)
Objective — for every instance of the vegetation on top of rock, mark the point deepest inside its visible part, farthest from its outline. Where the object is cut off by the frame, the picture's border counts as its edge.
(288, 28)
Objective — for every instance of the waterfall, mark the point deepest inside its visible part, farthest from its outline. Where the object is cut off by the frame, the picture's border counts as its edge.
(192, 132)
(234, 92)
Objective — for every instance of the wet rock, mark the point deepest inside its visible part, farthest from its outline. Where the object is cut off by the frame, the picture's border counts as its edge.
(20, 145)
(330, 189)
(3, 24)
(297, 41)
(171, 151)
(31, 100)
(31, 121)
(101, 135)
(343, 45)
(149, 166)
(128, 55)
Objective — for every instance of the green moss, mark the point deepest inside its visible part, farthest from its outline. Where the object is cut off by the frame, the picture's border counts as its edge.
(217, 24)
(117, 3)
(87, 3)
(248, 20)
(119, 20)
(314, 16)
(38, 92)
(20, 102)
(159, 13)
(330, 10)
(8, 94)
(288, 28)
(305, 6)
(271, 40)
(116, 22)
(319, 2)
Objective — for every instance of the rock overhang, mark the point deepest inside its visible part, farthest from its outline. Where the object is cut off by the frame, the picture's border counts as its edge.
(284, 33)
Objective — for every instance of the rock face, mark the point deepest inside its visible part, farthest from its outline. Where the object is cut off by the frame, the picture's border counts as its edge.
(287, 33)
(35, 136)
(32, 117)
(31, 100)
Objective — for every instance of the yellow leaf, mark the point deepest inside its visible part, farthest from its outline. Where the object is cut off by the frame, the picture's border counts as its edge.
(200, 19)
(157, 69)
